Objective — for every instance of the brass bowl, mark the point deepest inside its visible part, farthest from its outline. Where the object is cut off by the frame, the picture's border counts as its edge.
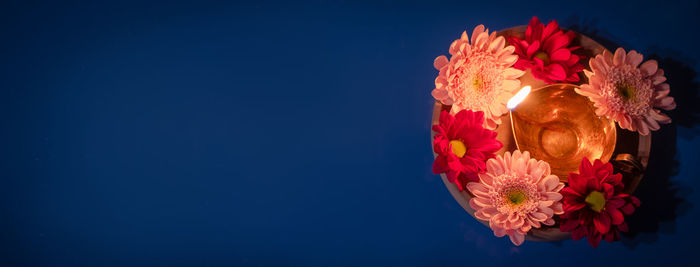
(630, 155)
(559, 126)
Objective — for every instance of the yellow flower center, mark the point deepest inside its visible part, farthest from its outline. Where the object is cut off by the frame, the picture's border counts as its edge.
(478, 83)
(626, 91)
(543, 56)
(596, 201)
(516, 197)
(458, 148)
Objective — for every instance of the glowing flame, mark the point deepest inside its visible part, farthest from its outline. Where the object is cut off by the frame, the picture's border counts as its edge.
(519, 97)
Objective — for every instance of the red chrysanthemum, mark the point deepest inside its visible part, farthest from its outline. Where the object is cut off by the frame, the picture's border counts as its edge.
(546, 52)
(463, 146)
(594, 205)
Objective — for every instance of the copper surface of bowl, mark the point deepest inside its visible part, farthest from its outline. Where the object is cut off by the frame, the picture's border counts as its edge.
(559, 126)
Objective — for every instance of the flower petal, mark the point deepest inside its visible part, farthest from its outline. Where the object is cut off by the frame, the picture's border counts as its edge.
(602, 222)
(440, 62)
(560, 55)
(478, 190)
(477, 31)
(633, 58)
(616, 216)
(517, 238)
(548, 183)
(649, 67)
(619, 57)
(553, 196)
(477, 203)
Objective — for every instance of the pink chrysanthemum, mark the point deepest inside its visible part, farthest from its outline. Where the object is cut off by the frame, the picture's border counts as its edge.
(479, 76)
(626, 93)
(516, 193)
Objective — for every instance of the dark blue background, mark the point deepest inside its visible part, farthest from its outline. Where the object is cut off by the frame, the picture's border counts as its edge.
(167, 133)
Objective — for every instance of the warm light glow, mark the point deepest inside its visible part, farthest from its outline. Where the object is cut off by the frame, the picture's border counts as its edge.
(519, 97)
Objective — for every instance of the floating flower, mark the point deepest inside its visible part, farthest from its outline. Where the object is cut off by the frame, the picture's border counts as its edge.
(516, 193)
(594, 205)
(479, 76)
(547, 53)
(462, 146)
(626, 93)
